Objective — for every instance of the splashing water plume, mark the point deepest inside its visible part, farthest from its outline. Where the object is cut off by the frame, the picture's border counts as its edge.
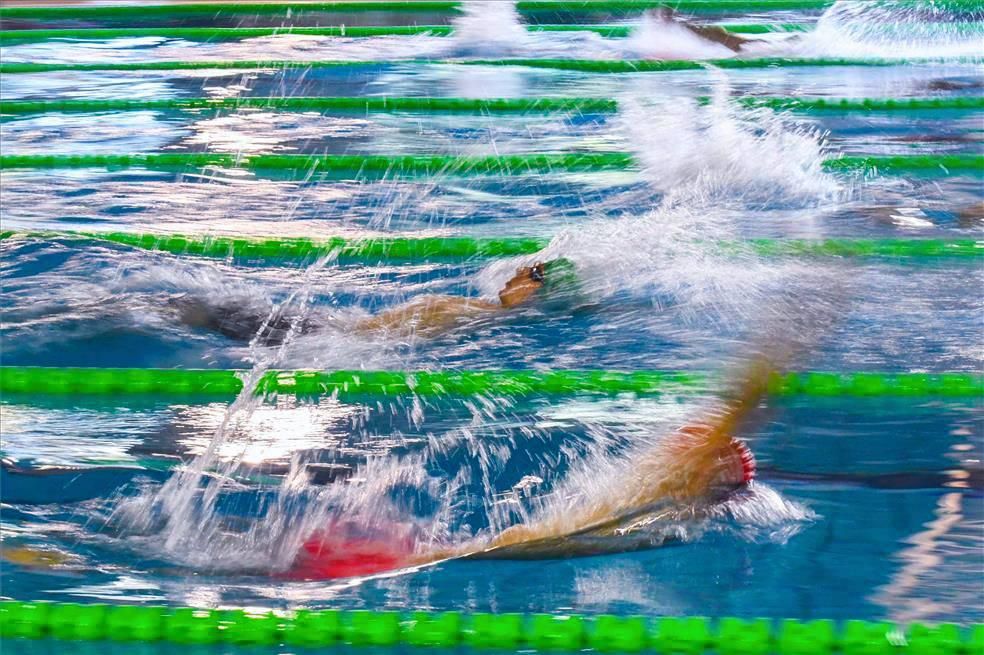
(490, 28)
(400, 509)
(713, 154)
(888, 28)
(706, 161)
(657, 37)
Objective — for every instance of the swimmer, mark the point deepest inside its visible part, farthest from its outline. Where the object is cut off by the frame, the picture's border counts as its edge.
(971, 216)
(428, 316)
(712, 33)
(431, 315)
(697, 466)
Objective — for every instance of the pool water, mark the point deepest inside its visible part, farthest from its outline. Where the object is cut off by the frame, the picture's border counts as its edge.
(864, 507)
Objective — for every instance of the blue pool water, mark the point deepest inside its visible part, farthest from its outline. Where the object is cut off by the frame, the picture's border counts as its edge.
(864, 508)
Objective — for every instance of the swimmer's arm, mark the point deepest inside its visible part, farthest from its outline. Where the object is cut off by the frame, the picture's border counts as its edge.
(718, 35)
(694, 451)
(751, 387)
(427, 313)
(711, 33)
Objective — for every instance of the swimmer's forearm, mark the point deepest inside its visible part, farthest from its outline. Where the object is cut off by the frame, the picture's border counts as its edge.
(427, 313)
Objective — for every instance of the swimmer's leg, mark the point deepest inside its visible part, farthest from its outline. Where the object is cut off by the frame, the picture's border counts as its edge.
(238, 321)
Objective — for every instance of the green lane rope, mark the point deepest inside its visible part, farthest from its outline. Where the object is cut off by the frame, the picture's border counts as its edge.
(9, 37)
(861, 104)
(503, 632)
(234, 33)
(293, 9)
(226, 383)
(359, 104)
(580, 65)
(463, 248)
(907, 164)
(665, 66)
(410, 165)
(429, 165)
(467, 105)
(218, 33)
(622, 31)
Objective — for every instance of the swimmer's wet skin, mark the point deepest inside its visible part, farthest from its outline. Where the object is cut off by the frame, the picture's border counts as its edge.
(711, 33)
(434, 314)
(426, 316)
(698, 465)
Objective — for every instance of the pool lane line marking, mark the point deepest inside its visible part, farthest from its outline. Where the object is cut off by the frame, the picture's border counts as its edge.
(479, 631)
(456, 249)
(361, 104)
(21, 36)
(574, 65)
(228, 382)
(293, 9)
(367, 166)
(18, 36)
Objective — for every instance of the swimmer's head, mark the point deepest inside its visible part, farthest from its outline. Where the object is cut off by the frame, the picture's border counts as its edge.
(523, 286)
(555, 280)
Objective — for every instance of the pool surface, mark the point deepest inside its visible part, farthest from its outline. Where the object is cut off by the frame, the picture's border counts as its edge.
(863, 508)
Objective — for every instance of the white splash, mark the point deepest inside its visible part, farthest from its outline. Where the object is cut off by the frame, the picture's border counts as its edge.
(713, 163)
(722, 151)
(490, 28)
(658, 37)
(891, 29)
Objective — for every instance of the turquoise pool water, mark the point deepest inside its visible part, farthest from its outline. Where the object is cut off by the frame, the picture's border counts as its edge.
(864, 508)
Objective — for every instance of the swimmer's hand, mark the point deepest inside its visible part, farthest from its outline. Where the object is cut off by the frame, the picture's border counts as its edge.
(696, 464)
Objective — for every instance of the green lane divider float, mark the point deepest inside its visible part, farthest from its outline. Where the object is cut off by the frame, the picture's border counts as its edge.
(363, 165)
(358, 104)
(429, 165)
(235, 33)
(503, 632)
(865, 104)
(667, 66)
(9, 37)
(579, 65)
(397, 249)
(469, 105)
(295, 9)
(228, 383)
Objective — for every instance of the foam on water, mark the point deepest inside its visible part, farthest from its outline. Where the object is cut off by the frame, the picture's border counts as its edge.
(724, 153)
(659, 38)
(490, 28)
(871, 29)
(707, 161)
